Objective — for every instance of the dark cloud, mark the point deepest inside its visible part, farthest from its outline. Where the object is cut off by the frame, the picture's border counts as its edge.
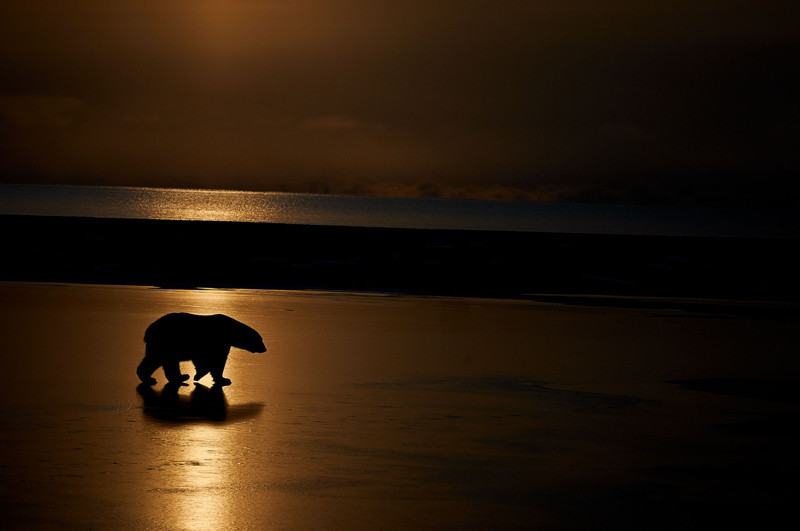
(546, 100)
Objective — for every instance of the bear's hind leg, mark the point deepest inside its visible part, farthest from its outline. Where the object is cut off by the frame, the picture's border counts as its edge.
(172, 369)
(145, 370)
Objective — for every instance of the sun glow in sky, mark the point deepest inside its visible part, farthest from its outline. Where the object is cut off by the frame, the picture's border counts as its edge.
(602, 101)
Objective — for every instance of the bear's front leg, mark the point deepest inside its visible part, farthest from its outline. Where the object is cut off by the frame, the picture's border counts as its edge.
(217, 368)
(172, 370)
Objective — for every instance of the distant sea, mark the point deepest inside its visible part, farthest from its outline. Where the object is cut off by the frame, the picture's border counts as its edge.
(391, 212)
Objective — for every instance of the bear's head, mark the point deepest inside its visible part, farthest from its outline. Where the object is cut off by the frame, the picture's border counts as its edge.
(247, 339)
(238, 334)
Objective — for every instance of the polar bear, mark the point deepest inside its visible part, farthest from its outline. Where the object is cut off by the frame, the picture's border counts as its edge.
(203, 339)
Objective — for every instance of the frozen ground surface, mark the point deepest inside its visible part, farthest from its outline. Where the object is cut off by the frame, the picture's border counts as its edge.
(395, 412)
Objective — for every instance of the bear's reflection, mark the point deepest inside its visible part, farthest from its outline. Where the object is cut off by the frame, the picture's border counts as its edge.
(202, 404)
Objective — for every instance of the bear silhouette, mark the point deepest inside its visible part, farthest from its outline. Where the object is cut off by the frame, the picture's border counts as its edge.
(205, 340)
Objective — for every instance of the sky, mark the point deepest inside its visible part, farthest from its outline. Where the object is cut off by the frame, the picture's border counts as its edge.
(684, 102)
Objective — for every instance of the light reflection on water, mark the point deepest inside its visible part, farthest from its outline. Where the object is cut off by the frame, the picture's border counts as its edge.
(197, 205)
(205, 447)
(395, 212)
(204, 451)
(211, 300)
(205, 474)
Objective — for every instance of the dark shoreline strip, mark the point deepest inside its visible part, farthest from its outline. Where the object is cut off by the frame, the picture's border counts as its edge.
(435, 262)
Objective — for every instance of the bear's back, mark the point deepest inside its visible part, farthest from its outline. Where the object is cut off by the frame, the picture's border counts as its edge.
(185, 327)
